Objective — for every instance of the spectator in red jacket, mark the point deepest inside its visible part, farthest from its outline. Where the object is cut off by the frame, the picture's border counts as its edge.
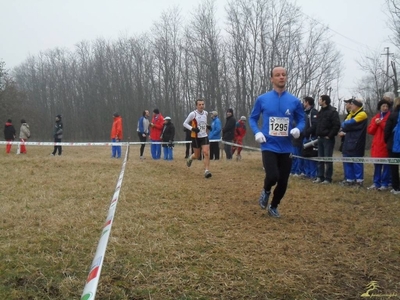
(378, 148)
(240, 132)
(156, 126)
(116, 135)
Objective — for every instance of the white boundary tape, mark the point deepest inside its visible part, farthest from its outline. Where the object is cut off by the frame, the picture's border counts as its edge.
(90, 289)
(364, 160)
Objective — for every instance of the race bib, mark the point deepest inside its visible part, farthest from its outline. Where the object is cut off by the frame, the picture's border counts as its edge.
(203, 127)
(279, 126)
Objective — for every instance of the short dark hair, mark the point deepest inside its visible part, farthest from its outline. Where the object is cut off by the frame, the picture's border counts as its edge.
(144, 113)
(309, 100)
(200, 99)
(326, 98)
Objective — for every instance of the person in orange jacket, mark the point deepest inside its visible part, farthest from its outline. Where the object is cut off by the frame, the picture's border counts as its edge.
(116, 135)
(156, 126)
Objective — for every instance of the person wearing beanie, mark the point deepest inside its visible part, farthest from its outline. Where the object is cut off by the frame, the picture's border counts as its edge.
(58, 135)
(167, 137)
(282, 119)
(156, 126)
(196, 122)
(228, 132)
(376, 128)
(24, 134)
(214, 135)
(9, 134)
(354, 128)
(116, 135)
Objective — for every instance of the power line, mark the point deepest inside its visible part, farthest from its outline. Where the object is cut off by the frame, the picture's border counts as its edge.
(338, 33)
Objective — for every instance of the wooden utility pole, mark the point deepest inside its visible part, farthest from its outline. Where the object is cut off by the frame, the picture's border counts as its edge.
(387, 67)
(394, 78)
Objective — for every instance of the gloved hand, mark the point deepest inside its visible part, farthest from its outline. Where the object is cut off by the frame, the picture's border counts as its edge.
(171, 144)
(195, 129)
(260, 138)
(209, 127)
(295, 132)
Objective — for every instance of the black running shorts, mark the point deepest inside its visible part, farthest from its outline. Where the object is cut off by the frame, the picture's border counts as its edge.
(198, 142)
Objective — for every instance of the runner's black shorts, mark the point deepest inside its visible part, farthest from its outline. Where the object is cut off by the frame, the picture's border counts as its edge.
(198, 142)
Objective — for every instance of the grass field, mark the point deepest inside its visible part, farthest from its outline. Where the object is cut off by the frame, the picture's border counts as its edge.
(177, 235)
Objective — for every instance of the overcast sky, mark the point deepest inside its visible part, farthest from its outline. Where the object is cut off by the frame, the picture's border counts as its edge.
(31, 26)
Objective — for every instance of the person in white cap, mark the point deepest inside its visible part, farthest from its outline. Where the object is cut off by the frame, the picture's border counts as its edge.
(240, 132)
(354, 129)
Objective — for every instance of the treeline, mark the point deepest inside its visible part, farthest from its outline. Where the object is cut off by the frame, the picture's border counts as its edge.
(226, 62)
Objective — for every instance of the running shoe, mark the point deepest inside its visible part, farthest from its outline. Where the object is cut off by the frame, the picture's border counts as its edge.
(207, 174)
(263, 200)
(273, 212)
(189, 162)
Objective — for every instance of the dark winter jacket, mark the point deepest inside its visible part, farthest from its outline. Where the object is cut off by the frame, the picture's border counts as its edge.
(58, 130)
(355, 127)
(311, 123)
(228, 132)
(168, 133)
(389, 129)
(9, 132)
(328, 122)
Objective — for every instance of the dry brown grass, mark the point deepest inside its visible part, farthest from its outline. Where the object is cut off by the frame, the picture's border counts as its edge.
(177, 235)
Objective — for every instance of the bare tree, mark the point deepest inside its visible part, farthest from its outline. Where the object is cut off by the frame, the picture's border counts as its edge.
(372, 86)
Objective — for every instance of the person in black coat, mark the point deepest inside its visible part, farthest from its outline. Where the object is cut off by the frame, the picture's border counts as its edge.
(9, 134)
(58, 135)
(389, 136)
(167, 137)
(327, 127)
(228, 132)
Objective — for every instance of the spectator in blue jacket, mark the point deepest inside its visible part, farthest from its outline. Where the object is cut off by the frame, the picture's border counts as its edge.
(214, 134)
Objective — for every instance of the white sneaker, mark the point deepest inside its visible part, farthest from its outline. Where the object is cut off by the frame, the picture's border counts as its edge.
(372, 187)
(317, 180)
(383, 188)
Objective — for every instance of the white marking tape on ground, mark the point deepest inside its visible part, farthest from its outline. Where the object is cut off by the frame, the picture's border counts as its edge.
(364, 160)
(90, 289)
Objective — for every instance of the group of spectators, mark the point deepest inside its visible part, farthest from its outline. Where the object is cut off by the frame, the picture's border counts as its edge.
(25, 134)
(323, 126)
(10, 135)
(161, 132)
